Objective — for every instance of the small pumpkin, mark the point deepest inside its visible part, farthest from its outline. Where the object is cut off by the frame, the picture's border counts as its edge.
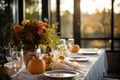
(75, 48)
(36, 66)
(48, 57)
(49, 61)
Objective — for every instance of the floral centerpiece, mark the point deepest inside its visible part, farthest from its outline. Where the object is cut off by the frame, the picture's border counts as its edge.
(27, 35)
(30, 32)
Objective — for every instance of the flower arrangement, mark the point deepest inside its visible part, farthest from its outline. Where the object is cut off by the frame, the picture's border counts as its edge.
(30, 32)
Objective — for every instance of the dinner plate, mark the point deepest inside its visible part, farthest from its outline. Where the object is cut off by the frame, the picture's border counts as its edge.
(78, 58)
(61, 74)
(88, 51)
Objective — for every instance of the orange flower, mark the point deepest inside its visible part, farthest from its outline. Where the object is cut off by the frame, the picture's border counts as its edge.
(16, 28)
(40, 25)
(47, 25)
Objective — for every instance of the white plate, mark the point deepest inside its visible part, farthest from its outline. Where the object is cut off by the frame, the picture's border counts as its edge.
(60, 74)
(78, 58)
(88, 51)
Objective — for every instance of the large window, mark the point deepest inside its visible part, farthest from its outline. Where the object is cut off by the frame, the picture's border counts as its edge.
(96, 29)
(99, 26)
(96, 23)
(66, 15)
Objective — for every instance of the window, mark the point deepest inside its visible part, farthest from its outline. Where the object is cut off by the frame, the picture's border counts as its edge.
(6, 12)
(33, 9)
(96, 23)
(98, 27)
(66, 17)
(53, 11)
(116, 25)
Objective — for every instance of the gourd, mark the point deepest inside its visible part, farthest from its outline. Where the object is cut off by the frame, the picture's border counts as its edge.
(75, 48)
(49, 61)
(36, 66)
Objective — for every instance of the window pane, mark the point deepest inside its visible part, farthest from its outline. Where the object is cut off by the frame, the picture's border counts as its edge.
(117, 19)
(53, 11)
(117, 45)
(33, 9)
(66, 13)
(95, 18)
(6, 12)
(96, 44)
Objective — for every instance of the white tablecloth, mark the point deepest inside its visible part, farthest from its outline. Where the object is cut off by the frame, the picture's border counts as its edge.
(98, 67)
(89, 70)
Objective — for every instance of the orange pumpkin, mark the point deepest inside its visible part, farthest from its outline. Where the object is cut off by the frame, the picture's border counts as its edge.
(36, 66)
(75, 48)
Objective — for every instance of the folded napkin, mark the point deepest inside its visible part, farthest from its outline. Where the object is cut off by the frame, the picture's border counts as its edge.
(67, 65)
(62, 66)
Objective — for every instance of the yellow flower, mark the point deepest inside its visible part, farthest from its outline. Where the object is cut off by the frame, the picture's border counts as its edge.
(24, 22)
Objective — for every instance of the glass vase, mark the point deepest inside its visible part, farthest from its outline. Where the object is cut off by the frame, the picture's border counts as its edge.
(28, 51)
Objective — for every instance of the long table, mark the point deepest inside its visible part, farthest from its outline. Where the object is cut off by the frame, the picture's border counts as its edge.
(94, 69)
(98, 66)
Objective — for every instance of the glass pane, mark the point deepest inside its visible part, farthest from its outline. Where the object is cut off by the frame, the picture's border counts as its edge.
(53, 11)
(117, 18)
(96, 44)
(117, 45)
(66, 13)
(33, 9)
(95, 18)
(6, 12)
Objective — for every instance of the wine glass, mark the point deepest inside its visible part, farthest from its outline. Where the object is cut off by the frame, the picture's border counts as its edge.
(9, 57)
(70, 43)
(61, 48)
(17, 62)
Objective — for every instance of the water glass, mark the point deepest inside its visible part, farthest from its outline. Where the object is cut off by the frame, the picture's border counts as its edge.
(17, 62)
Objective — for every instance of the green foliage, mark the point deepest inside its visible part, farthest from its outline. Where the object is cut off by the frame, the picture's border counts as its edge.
(30, 32)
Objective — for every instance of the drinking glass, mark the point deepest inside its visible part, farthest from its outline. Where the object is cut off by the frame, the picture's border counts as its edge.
(70, 43)
(17, 62)
(61, 48)
(9, 57)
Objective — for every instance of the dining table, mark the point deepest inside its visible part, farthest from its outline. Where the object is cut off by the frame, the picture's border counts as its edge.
(87, 63)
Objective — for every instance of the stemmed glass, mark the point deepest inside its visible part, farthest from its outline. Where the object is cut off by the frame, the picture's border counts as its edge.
(61, 50)
(70, 43)
(17, 61)
(9, 57)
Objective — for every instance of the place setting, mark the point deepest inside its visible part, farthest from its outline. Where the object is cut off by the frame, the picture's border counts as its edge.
(88, 51)
(61, 74)
(78, 58)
